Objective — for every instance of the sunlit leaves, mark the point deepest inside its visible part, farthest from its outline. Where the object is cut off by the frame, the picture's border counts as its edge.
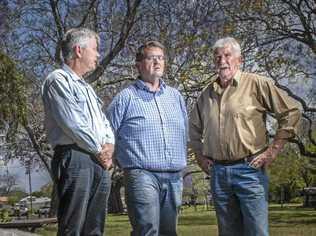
(12, 92)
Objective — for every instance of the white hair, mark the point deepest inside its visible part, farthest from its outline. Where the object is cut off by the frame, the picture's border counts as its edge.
(76, 36)
(228, 41)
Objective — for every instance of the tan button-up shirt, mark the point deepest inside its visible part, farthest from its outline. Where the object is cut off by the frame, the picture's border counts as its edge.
(229, 124)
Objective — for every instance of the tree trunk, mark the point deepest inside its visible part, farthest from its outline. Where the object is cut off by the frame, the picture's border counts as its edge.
(54, 202)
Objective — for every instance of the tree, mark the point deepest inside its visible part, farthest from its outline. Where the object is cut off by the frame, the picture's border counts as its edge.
(285, 184)
(7, 182)
(13, 104)
(16, 195)
(290, 173)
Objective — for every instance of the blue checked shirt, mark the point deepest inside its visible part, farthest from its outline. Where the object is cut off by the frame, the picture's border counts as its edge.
(150, 128)
(73, 112)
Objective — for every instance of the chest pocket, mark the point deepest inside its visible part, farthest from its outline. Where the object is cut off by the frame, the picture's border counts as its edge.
(81, 100)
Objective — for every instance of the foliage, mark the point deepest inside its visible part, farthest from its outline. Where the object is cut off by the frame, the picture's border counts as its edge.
(7, 182)
(17, 194)
(38, 194)
(12, 200)
(12, 92)
(47, 189)
(4, 215)
(289, 174)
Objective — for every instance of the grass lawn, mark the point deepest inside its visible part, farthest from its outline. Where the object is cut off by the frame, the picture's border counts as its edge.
(291, 220)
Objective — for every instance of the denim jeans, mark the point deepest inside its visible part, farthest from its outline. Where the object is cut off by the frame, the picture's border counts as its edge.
(240, 195)
(153, 201)
(83, 188)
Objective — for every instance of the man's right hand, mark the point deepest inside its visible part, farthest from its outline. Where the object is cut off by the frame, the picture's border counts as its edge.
(204, 163)
(105, 156)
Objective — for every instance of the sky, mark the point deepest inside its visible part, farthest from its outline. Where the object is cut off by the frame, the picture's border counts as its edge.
(38, 177)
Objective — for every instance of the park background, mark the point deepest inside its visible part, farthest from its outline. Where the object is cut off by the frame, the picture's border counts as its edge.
(278, 40)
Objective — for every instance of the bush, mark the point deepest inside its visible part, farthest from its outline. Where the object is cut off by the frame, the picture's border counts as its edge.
(4, 215)
(297, 200)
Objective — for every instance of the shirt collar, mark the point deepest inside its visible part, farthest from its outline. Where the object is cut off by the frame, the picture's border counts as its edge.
(235, 82)
(236, 79)
(74, 76)
(142, 85)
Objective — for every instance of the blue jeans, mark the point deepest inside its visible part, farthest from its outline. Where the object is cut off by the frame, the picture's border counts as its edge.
(153, 201)
(240, 195)
(83, 188)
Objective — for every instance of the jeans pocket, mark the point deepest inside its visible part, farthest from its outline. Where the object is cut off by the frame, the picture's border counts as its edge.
(252, 167)
(140, 186)
(177, 189)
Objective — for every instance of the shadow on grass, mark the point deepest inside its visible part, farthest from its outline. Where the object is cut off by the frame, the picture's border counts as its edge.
(201, 216)
(197, 220)
(289, 216)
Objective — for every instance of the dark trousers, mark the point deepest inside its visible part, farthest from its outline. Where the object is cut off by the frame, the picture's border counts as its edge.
(83, 188)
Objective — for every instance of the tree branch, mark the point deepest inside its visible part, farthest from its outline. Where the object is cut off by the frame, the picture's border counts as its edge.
(125, 30)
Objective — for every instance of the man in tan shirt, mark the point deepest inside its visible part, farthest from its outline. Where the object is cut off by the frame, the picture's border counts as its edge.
(229, 137)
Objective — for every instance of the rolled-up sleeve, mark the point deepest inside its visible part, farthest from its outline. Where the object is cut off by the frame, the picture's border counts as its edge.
(286, 109)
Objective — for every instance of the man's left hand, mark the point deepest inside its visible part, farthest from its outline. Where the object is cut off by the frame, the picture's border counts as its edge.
(267, 157)
(263, 160)
(105, 156)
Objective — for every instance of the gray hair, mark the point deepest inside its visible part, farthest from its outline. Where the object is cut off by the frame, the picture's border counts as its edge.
(228, 41)
(76, 37)
(150, 44)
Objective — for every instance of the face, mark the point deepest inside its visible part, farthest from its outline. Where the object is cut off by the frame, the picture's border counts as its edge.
(89, 56)
(227, 62)
(152, 66)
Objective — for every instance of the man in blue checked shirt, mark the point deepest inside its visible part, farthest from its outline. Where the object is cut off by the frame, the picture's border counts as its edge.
(150, 124)
(81, 136)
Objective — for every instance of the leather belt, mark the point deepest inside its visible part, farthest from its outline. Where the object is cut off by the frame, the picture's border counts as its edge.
(61, 148)
(233, 162)
(248, 159)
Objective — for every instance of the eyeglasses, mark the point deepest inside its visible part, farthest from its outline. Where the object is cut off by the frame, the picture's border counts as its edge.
(155, 57)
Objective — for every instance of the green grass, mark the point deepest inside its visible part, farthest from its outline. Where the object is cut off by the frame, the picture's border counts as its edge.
(291, 220)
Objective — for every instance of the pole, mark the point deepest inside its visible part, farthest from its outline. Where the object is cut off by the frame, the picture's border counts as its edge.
(28, 171)
(30, 187)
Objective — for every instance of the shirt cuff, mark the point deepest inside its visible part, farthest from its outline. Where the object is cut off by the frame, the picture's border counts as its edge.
(284, 134)
(196, 147)
(109, 138)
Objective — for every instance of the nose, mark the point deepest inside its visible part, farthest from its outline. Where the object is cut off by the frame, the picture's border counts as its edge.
(221, 60)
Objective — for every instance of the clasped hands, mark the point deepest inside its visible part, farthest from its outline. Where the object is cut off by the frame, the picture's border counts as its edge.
(105, 156)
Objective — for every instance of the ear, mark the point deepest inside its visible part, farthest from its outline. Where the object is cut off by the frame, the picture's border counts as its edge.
(77, 51)
(240, 59)
(137, 65)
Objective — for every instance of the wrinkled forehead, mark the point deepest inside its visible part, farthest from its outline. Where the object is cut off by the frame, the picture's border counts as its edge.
(225, 48)
(153, 51)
